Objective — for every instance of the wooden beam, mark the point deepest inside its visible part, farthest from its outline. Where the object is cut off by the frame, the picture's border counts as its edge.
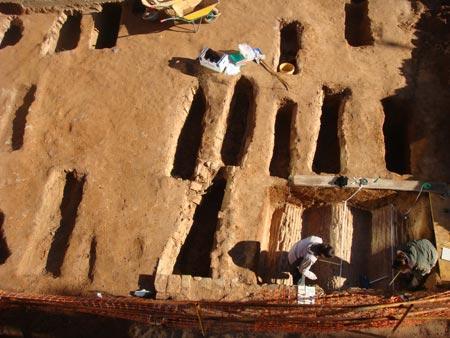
(368, 183)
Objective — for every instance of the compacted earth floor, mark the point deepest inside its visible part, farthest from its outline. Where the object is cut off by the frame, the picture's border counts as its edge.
(121, 156)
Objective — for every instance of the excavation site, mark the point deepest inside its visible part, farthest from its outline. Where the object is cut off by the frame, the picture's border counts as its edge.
(208, 168)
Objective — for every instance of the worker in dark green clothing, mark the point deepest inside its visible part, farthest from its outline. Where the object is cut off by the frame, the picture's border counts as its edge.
(416, 259)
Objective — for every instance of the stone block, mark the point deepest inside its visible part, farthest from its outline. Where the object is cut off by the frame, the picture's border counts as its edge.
(161, 283)
(174, 286)
(197, 199)
(221, 288)
(186, 287)
(162, 296)
(238, 292)
(196, 186)
(204, 289)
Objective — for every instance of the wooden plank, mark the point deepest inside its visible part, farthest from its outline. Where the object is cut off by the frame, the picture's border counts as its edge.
(440, 212)
(369, 183)
(382, 246)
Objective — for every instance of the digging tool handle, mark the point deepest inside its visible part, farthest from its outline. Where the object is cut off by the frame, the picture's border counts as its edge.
(393, 279)
(378, 279)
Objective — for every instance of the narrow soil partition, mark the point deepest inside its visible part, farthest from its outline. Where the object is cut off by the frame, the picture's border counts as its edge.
(107, 24)
(281, 157)
(72, 196)
(92, 258)
(20, 119)
(195, 254)
(9, 8)
(13, 34)
(397, 115)
(290, 43)
(70, 32)
(357, 24)
(327, 158)
(4, 250)
(240, 123)
(190, 138)
(266, 270)
(285, 230)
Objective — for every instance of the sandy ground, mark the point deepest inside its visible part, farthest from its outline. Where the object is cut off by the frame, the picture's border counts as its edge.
(89, 137)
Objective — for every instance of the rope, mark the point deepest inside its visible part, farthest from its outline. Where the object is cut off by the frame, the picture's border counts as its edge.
(361, 182)
(345, 221)
(353, 195)
(424, 185)
(197, 309)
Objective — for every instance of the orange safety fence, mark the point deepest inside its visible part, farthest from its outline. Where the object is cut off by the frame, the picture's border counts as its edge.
(344, 311)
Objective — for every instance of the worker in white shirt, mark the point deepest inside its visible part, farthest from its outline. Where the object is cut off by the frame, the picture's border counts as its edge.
(304, 254)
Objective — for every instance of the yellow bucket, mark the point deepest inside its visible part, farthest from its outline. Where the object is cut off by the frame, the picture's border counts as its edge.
(286, 68)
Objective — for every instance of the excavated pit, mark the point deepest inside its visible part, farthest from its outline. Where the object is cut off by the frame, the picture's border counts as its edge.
(92, 258)
(13, 34)
(9, 8)
(240, 123)
(363, 231)
(190, 138)
(358, 31)
(20, 119)
(280, 235)
(290, 43)
(106, 25)
(72, 196)
(4, 250)
(70, 32)
(327, 158)
(348, 229)
(281, 156)
(397, 119)
(195, 254)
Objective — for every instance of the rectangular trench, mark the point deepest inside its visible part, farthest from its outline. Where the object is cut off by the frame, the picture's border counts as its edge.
(290, 43)
(348, 230)
(281, 156)
(364, 239)
(397, 119)
(12, 34)
(106, 26)
(72, 196)
(69, 34)
(92, 258)
(327, 158)
(9, 8)
(194, 257)
(4, 249)
(358, 31)
(240, 123)
(190, 138)
(20, 119)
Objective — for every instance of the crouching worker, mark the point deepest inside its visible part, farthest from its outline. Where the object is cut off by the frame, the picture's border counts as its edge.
(416, 259)
(304, 254)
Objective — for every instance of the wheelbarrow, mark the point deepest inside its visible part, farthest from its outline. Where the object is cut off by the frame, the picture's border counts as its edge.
(186, 11)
